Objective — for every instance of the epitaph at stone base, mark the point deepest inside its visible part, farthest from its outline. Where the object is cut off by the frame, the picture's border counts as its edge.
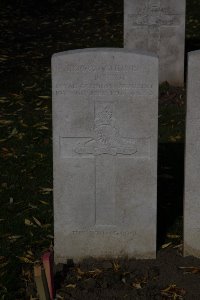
(192, 159)
(105, 153)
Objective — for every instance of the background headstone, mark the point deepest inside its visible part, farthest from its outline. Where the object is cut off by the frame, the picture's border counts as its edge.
(105, 153)
(192, 159)
(158, 26)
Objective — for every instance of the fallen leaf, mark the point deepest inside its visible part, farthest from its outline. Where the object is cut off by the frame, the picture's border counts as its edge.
(136, 285)
(39, 125)
(169, 288)
(72, 286)
(177, 137)
(43, 128)
(30, 87)
(173, 292)
(172, 139)
(30, 252)
(39, 103)
(193, 270)
(124, 280)
(37, 222)
(179, 247)
(58, 297)
(3, 140)
(173, 236)
(14, 237)
(80, 273)
(29, 256)
(28, 222)
(3, 58)
(5, 122)
(14, 132)
(116, 266)
(25, 259)
(3, 265)
(44, 202)
(50, 236)
(44, 97)
(46, 190)
(95, 272)
(32, 206)
(166, 245)
(16, 95)
(46, 226)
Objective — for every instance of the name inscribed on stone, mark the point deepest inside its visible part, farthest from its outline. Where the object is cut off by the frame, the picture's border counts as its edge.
(107, 80)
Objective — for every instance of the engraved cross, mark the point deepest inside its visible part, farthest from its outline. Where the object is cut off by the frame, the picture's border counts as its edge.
(104, 148)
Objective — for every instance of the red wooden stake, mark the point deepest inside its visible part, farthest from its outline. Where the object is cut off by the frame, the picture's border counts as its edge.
(47, 260)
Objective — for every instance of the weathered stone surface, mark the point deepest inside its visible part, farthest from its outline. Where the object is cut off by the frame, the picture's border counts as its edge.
(105, 153)
(192, 159)
(158, 26)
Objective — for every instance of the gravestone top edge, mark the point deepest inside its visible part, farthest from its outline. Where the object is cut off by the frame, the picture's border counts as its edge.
(182, 8)
(105, 50)
(193, 53)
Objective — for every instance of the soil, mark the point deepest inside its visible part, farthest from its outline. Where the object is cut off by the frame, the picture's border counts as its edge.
(169, 276)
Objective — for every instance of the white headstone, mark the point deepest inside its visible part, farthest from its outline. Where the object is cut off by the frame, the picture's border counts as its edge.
(158, 26)
(192, 159)
(105, 153)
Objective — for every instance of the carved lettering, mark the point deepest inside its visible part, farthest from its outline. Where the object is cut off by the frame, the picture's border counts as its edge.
(97, 232)
(148, 20)
(117, 91)
(73, 68)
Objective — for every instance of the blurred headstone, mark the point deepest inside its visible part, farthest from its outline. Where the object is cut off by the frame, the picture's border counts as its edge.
(158, 26)
(192, 159)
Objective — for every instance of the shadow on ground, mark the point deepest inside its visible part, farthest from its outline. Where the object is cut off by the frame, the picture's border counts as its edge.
(170, 190)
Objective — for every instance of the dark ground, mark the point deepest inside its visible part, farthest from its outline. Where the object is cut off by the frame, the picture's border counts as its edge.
(167, 277)
(31, 32)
